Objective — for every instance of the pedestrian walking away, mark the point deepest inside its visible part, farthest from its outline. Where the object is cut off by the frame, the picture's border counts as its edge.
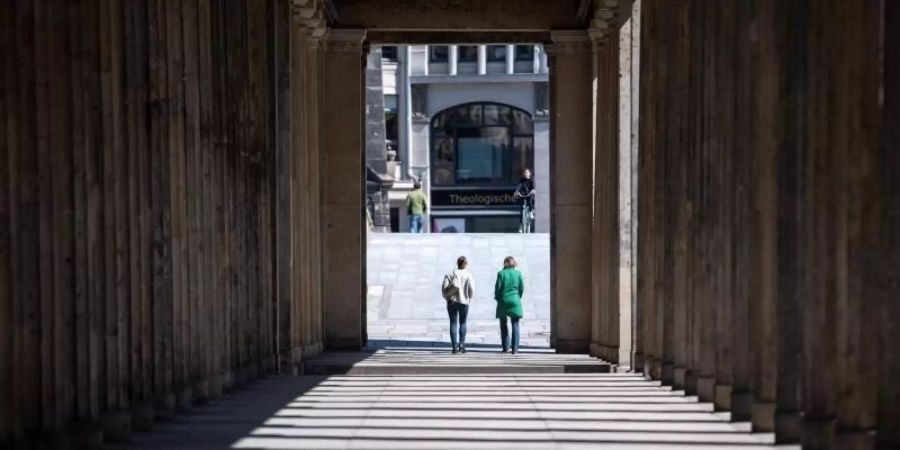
(416, 206)
(508, 291)
(458, 289)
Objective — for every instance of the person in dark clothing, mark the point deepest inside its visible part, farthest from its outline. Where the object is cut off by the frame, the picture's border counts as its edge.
(526, 192)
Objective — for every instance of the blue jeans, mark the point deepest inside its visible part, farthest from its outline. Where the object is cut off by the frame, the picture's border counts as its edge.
(458, 313)
(504, 333)
(415, 224)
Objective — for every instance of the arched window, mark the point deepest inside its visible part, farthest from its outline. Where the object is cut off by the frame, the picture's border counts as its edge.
(480, 144)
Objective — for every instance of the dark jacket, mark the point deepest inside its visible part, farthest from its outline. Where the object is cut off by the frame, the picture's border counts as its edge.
(524, 191)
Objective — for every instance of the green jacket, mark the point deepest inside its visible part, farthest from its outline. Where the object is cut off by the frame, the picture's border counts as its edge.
(508, 293)
(416, 202)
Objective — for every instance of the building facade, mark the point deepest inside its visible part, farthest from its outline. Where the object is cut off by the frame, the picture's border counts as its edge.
(466, 120)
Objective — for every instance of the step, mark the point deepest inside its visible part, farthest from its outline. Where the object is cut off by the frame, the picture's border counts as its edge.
(441, 362)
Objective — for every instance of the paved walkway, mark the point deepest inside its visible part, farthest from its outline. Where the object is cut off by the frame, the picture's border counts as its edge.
(404, 278)
(541, 410)
(408, 393)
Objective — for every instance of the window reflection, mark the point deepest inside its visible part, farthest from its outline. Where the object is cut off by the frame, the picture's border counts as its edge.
(481, 144)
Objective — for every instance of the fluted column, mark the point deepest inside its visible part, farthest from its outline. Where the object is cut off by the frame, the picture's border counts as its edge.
(605, 217)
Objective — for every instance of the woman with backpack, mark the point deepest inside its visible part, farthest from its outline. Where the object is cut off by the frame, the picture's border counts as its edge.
(458, 289)
(508, 293)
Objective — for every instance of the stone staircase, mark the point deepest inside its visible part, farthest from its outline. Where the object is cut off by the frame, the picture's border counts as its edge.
(430, 360)
(427, 398)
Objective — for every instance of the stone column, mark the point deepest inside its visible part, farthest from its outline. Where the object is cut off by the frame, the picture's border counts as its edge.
(482, 59)
(510, 59)
(536, 60)
(344, 190)
(570, 163)
(605, 230)
(889, 390)
(453, 59)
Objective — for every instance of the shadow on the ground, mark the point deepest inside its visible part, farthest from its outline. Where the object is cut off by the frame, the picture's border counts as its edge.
(453, 410)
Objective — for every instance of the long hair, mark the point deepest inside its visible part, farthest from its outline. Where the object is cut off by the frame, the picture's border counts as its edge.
(461, 262)
(509, 261)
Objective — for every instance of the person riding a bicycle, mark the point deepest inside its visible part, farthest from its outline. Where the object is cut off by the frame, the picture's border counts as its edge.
(525, 191)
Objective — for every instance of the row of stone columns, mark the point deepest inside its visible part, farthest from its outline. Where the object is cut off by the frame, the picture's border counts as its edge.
(585, 219)
(767, 254)
(160, 204)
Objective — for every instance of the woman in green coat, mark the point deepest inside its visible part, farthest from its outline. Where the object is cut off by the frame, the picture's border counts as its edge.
(508, 293)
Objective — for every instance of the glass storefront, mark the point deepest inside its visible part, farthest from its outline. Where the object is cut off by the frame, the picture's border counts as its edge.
(481, 144)
(478, 154)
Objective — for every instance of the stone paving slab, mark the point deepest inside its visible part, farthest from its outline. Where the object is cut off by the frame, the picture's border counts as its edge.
(405, 273)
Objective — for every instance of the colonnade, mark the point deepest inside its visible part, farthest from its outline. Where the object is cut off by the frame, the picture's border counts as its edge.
(160, 162)
(181, 204)
(768, 213)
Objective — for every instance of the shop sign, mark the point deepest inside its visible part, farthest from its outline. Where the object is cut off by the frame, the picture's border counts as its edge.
(475, 197)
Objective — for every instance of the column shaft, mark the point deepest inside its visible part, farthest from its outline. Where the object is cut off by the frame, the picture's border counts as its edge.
(571, 162)
(482, 59)
(453, 60)
(889, 307)
(605, 220)
(344, 231)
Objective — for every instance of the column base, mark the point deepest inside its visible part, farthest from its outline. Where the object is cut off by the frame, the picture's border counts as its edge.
(818, 432)
(312, 350)
(667, 373)
(184, 400)
(287, 362)
(116, 426)
(142, 417)
(572, 346)
(215, 386)
(653, 367)
(722, 397)
(604, 352)
(764, 417)
(81, 436)
(347, 344)
(706, 388)
(741, 406)
(788, 428)
(201, 392)
(164, 407)
(252, 374)
(855, 439)
(637, 362)
(690, 383)
(680, 377)
(239, 377)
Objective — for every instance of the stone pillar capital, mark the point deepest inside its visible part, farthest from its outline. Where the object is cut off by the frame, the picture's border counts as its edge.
(345, 40)
(309, 15)
(602, 19)
(568, 41)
